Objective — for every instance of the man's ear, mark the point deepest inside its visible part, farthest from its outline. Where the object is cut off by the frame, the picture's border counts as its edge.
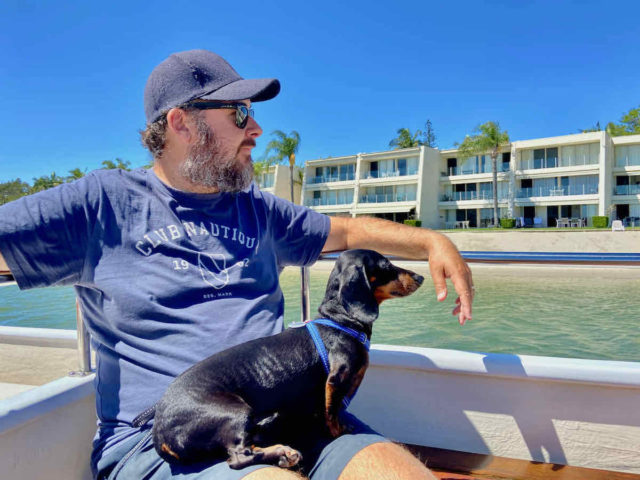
(356, 296)
(180, 125)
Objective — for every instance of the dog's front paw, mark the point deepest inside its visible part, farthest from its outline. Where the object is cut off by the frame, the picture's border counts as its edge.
(289, 457)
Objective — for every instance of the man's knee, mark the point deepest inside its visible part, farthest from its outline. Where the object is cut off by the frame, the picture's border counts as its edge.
(272, 473)
(385, 461)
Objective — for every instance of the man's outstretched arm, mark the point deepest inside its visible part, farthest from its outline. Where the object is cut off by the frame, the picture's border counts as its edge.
(416, 243)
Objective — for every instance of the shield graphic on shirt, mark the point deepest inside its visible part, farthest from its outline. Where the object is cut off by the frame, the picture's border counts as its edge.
(214, 270)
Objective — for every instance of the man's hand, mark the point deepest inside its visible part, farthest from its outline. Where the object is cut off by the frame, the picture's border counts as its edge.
(445, 262)
(410, 242)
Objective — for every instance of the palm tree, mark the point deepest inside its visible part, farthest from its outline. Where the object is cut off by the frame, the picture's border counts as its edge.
(488, 138)
(406, 139)
(45, 182)
(119, 163)
(285, 146)
(75, 174)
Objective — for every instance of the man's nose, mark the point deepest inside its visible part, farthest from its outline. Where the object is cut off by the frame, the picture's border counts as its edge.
(253, 129)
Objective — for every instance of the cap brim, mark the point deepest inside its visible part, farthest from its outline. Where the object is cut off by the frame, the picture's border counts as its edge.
(256, 90)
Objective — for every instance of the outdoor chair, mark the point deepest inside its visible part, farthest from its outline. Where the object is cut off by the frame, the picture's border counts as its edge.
(617, 226)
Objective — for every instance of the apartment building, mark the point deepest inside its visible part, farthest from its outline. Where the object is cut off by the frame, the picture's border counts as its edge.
(275, 180)
(539, 181)
(391, 185)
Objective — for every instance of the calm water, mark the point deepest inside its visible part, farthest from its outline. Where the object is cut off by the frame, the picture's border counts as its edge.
(553, 311)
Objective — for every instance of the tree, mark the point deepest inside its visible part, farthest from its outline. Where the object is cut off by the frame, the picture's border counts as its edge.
(595, 128)
(12, 190)
(406, 139)
(429, 135)
(261, 167)
(629, 124)
(75, 174)
(119, 163)
(284, 147)
(488, 138)
(45, 182)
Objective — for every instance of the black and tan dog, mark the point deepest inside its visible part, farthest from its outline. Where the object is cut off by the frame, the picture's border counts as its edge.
(246, 402)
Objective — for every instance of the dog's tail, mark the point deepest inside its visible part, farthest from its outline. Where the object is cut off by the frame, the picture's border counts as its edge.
(142, 419)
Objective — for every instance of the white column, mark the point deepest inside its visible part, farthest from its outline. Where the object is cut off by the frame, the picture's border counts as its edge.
(511, 198)
(356, 188)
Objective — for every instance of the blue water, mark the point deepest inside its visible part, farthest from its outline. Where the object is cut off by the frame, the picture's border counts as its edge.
(563, 311)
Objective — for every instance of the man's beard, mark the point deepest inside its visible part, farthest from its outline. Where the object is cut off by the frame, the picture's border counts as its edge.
(208, 165)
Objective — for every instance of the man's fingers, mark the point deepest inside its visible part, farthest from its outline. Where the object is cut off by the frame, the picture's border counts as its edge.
(439, 282)
(463, 284)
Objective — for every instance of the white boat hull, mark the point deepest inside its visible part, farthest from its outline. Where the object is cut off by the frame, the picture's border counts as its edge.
(573, 412)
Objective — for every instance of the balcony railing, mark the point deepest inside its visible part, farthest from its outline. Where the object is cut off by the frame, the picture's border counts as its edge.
(320, 202)
(453, 171)
(627, 190)
(538, 164)
(628, 161)
(390, 174)
(386, 198)
(557, 191)
(343, 177)
(460, 196)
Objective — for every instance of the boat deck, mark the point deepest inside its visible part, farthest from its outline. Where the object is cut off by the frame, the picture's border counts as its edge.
(453, 465)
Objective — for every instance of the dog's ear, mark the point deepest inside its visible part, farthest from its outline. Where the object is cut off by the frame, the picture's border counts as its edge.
(356, 296)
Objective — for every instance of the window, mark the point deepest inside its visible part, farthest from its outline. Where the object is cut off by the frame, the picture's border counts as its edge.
(538, 158)
(627, 155)
(587, 154)
(402, 166)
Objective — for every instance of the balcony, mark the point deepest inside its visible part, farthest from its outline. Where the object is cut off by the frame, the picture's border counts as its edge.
(343, 177)
(322, 202)
(557, 191)
(461, 196)
(387, 198)
(453, 171)
(549, 163)
(266, 184)
(627, 190)
(628, 161)
(390, 174)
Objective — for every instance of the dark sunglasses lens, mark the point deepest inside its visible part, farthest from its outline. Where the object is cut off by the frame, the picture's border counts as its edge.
(242, 116)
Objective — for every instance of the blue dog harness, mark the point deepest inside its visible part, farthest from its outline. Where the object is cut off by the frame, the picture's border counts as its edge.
(322, 350)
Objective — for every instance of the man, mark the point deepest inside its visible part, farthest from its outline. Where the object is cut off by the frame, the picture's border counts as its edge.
(175, 263)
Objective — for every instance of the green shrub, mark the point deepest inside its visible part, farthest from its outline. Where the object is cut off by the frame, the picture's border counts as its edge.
(600, 222)
(413, 223)
(508, 222)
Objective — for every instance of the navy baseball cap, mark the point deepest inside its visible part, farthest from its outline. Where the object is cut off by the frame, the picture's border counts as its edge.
(200, 74)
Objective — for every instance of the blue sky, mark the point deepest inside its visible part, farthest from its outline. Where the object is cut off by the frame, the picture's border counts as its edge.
(72, 73)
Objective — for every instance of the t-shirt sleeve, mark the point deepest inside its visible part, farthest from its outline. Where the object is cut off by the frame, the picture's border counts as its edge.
(299, 233)
(44, 236)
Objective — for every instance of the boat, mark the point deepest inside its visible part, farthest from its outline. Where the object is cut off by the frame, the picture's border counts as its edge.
(466, 414)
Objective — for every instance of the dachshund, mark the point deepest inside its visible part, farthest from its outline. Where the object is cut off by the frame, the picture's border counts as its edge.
(246, 402)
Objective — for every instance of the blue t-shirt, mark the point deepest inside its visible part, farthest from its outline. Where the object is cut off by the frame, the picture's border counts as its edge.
(164, 278)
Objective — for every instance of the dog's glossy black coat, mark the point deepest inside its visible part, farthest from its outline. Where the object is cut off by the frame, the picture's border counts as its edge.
(274, 390)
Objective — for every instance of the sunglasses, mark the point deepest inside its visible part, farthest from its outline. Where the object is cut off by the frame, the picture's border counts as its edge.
(242, 111)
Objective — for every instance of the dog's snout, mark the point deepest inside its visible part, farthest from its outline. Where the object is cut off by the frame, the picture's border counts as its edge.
(418, 278)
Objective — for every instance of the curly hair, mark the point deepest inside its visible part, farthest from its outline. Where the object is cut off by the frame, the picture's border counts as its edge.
(154, 137)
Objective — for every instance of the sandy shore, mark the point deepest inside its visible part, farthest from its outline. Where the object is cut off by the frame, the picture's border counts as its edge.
(530, 240)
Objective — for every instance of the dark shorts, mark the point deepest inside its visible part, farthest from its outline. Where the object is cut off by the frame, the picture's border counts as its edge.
(136, 459)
